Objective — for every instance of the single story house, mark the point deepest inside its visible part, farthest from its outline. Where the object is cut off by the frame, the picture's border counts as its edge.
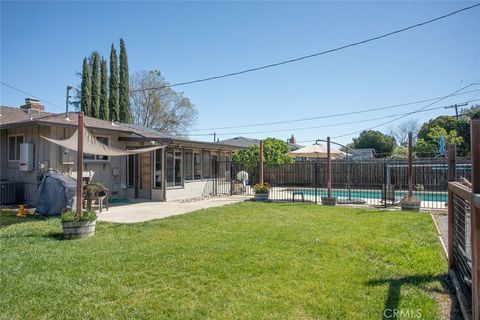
(244, 142)
(183, 169)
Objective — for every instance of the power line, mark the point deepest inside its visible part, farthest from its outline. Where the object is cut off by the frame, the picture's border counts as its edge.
(305, 128)
(407, 114)
(322, 126)
(312, 55)
(32, 95)
(332, 115)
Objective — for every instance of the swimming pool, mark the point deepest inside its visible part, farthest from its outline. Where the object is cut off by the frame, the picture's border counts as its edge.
(376, 194)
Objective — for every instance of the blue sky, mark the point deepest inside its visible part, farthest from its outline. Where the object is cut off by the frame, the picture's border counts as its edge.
(43, 45)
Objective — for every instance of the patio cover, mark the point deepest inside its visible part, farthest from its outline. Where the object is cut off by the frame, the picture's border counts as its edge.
(92, 146)
(317, 151)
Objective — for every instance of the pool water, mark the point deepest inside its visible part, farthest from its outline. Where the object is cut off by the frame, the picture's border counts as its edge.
(377, 194)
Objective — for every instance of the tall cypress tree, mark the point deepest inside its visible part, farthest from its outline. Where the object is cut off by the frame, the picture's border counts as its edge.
(124, 94)
(103, 111)
(113, 98)
(86, 88)
(95, 104)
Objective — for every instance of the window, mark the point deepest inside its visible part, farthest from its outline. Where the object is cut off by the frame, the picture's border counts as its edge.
(214, 165)
(206, 164)
(188, 165)
(92, 157)
(130, 170)
(178, 168)
(158, 168)
(14, 147)
(173, 160)
(197, 166)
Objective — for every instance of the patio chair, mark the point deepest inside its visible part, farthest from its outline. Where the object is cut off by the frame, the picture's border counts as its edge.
(100, 196)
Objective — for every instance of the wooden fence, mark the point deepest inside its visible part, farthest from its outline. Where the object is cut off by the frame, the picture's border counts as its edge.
(464, 231)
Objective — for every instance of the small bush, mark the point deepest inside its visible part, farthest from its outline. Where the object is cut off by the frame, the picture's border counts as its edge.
(419, 187)
(71, 216)
(261, 188)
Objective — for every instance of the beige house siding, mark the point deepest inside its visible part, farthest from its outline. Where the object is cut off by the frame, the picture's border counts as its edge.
(111, 173)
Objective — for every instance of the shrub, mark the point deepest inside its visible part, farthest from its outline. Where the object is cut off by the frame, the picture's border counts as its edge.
(71, 216)
(419, 187)
(261, 188)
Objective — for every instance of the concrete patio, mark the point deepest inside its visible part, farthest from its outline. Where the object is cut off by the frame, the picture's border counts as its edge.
(148, 210)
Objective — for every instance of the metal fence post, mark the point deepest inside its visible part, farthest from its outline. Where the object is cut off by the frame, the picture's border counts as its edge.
(231, 178)
(451, 177)
(385, 168)
(315, 171)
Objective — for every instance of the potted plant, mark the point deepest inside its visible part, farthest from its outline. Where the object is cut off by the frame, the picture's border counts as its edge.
(78, 226)
(91, 189)
(410, 203)
(419, 187)
(329, 201)
(261, 191)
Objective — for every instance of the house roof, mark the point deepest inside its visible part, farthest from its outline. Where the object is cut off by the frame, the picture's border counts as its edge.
(11, 117)
(244, 142)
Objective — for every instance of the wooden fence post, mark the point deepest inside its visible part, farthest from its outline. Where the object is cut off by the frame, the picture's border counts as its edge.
(410, 165)
(260, 169)
(329, 170)
(475, 217)
(80, 164)
(452, 154)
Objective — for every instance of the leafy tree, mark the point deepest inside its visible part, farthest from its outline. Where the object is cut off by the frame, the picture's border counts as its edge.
(248, 157)
(85, 88)
(429, 146)
(103, 111)
(382, 144)
(275, 152)
(95, 102)
(400, 153)
(124, 95)
(113, 103)
(429, 133)
(161, 109)
(473, 112)
(446, 122)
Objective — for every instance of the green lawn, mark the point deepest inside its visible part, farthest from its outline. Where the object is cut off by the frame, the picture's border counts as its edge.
(244, 261)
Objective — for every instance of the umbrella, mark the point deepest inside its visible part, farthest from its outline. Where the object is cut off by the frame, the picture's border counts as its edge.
(441, 145)
(317, 151)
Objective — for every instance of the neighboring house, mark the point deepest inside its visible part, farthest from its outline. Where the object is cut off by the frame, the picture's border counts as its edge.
(362, 154)
(183, 169)
(244, 143)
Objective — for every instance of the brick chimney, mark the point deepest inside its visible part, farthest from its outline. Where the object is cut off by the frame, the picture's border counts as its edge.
(32, 103)
(292, 140)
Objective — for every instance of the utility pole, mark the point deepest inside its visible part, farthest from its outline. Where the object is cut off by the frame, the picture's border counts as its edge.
(214, 137)
(67, 102)
(456, 107)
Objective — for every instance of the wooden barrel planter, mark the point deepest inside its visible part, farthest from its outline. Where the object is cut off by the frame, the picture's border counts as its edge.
(78, 230)
(262, 197)
(329, 201)
(410, 204)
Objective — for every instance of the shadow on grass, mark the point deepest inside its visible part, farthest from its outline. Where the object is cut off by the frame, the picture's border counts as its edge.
(57, 236)
(9, 217)
(392, 301)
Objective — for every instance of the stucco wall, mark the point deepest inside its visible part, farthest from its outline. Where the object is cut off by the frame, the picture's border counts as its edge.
(191, 189)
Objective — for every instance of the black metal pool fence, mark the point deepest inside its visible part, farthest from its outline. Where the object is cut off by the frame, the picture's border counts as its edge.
(374, 182)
